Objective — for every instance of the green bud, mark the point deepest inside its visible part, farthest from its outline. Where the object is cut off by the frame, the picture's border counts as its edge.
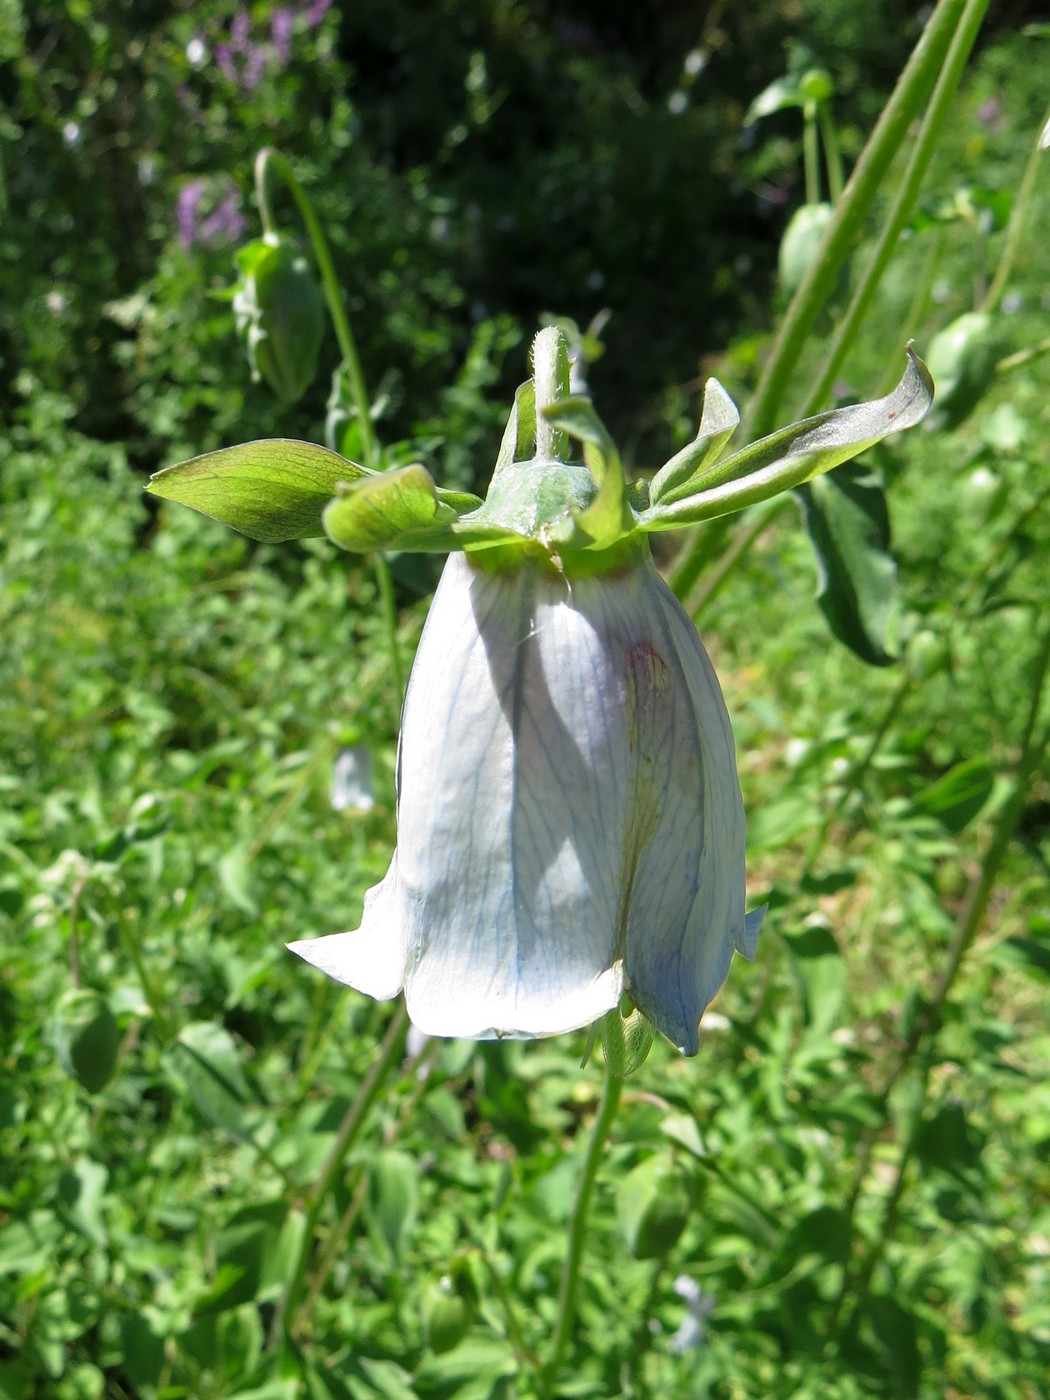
(652, 1206)
(280, 312)
(962, 360)
(446, 1317)
(801, 240)
(85, 1036)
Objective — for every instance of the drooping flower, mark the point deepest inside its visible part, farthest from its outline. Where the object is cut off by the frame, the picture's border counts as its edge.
(570, 823)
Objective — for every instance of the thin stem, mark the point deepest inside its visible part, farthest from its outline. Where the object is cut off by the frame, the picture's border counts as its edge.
(811, 153)
(570, 1274)
(268, 160)
(1016, 225)
(389, 605)
(832, 154)
(389, 1053)
(904, 200)
(908, 99)
(74, 937)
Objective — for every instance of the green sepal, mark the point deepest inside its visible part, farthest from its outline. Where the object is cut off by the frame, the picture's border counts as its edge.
(397, 509)
(719, 420)
(797, 453)
(519, 436)
(626, 1041)
(608, 518)
(272, 490)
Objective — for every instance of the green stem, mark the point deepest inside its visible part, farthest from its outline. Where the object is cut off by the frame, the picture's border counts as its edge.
(1016, 226)
(389, 605)
(832, 154)
(908, 99)
(811, 153)
(389, 1054)
(903, 202)
(268, 160)
(570, 1274)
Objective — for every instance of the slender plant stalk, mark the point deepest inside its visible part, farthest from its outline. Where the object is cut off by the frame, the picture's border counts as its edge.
(1015, 228)
(389, 1054)
(903, 202)
(907, 100)
(270, 162)
(581, 1210)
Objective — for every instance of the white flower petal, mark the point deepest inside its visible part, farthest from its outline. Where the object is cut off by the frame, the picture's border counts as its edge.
(373, 959)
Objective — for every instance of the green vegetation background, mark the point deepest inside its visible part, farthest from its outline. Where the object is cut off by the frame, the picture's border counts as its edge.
(172, 699)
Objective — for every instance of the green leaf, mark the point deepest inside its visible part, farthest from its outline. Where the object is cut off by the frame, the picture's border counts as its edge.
(86, 1037)
(849, 527)
(958, 797)
(652, 1208)
(719, 420)
(272, 490)
(797, 453)
(206, 1061)
(821, 976)
(397, 509)
(395, 1197)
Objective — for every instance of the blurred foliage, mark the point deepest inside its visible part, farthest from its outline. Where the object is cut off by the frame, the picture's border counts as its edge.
(769, 1221)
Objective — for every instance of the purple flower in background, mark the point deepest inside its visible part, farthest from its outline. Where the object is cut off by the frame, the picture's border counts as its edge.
(224, 223)
(224, 58)
(254, 64)
(316, 12)
(186, 211)
(281, 33)
(239, 31)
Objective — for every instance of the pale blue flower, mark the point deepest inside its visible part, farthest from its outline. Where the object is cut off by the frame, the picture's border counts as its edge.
(570, 824)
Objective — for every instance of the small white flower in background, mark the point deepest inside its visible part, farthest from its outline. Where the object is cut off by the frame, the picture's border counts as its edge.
(570, 824)
(352, 786)
(693, 1330)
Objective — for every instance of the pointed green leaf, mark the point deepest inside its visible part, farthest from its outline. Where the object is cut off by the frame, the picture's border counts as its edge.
(849, 526)
(271, 490)
(797, 453)
(387, 511)
(519, 436)
(958, 797)
(608, 518)
(718, 421)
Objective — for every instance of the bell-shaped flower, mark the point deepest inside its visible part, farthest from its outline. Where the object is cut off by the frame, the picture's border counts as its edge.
(570, 824)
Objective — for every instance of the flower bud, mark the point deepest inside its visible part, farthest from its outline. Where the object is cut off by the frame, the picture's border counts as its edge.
(798, 247)
(280, 312)
(962, 360)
